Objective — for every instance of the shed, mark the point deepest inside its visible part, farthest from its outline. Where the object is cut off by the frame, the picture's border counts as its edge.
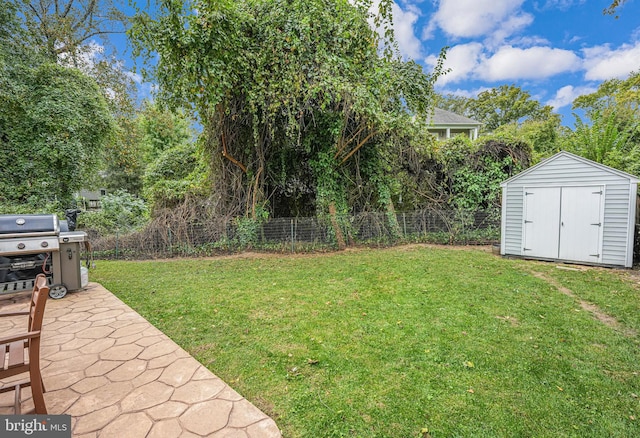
(571, 209)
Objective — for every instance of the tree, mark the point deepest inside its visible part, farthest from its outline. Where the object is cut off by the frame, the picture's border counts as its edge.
(123, 158)
(470, 173)
(176, 173)
(292, 95)
(602, 140)
(52, 135)
(613, 111)
(505, 104)
(613, 95)
(67, 32)
(64, 27)
(455, 104)
(53, 122)
(161, 130)
(13, 38)
(542, 134)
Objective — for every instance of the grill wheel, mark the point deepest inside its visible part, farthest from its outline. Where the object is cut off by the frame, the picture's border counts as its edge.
(57, 291)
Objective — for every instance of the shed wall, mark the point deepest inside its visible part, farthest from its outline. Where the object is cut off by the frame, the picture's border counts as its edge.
(565, 171)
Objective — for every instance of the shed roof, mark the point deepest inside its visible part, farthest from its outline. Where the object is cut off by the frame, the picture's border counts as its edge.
(444, 117)
(631, 178)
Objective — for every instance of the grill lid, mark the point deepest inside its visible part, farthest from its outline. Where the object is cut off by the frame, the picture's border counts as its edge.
(11, 224)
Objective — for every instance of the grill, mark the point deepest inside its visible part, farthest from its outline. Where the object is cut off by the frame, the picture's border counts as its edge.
(35, 244)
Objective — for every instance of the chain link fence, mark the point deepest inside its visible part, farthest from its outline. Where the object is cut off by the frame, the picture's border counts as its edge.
(308, 234)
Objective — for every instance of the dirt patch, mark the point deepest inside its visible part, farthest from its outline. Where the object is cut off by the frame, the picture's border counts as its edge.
(203, 348)
(597, 313)
(266, 406)
(510, 319)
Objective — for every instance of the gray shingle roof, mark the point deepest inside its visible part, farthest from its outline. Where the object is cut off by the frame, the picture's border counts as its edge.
(443, 117)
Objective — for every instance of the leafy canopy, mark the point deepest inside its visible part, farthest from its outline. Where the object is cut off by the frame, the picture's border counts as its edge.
(505, 104)
(54, 120)
(63, 28)
(289, 92)
(52, 134)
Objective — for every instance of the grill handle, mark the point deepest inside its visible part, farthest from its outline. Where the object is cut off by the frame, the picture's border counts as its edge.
(18, 235)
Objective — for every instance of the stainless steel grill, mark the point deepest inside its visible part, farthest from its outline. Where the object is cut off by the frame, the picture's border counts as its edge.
(34, 244)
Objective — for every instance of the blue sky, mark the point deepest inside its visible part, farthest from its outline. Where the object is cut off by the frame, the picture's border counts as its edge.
(555, 49)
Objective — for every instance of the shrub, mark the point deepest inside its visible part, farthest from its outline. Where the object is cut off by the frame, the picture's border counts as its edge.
(121, 211)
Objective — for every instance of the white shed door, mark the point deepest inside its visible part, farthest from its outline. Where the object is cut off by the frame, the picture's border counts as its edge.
(541, 222)
(581, 223)
(563, 223)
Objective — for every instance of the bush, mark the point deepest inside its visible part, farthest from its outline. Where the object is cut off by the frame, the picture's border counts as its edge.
(176, 173)
(121, 211)
(33, 206)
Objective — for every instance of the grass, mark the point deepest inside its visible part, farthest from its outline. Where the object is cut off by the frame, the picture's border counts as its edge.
(403, 342)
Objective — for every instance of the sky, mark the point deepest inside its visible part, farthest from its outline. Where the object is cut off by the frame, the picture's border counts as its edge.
(556, 50)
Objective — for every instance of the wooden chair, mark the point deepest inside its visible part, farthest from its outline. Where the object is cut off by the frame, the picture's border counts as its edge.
(15, 348)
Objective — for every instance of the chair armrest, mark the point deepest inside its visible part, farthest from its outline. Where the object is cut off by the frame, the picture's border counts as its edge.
(22, 312)
(19, 337)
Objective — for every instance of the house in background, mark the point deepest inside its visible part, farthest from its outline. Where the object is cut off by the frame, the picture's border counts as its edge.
(90, 199)
(445, 124)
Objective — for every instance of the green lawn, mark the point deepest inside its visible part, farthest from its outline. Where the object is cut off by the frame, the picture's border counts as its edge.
(403, 342)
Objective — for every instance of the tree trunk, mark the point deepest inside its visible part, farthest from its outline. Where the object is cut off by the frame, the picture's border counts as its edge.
(394, 226)
(336, 227)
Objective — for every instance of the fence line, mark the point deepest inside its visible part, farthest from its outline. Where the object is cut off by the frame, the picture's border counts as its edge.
(301, 234)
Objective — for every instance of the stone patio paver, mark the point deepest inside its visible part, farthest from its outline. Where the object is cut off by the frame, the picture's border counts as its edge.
(118, 376)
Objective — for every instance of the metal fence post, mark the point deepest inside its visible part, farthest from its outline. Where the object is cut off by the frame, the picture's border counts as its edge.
(404, 223)
(465, 227)
(293, 248)
(117, 236)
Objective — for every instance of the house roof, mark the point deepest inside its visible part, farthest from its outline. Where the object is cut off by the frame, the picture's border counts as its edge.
(447, 118)
(632, 178)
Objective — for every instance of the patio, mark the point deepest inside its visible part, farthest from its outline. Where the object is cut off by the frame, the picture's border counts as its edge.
(117, 375)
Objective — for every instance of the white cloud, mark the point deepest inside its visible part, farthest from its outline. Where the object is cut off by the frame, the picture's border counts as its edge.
(529, 41)
(475, 18)
(511, 63)
(88, 58)
(135, 77)
(602, 62)
(403, 27)
(575, 39)
(462, 61)
(110, 93)
(464, 93)
(561, 4)
(85, 59)
(566, 95)
(471, 61)
(508, 27)
(149, 90)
